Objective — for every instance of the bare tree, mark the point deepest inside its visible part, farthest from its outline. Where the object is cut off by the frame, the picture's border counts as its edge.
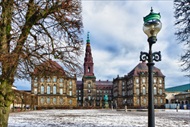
(31, 32)
(182, 15)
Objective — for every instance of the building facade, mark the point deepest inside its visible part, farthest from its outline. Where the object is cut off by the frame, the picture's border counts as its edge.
(53, 88)
(132, 89)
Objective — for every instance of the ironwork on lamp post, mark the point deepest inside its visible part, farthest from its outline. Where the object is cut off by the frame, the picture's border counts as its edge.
(151, 27)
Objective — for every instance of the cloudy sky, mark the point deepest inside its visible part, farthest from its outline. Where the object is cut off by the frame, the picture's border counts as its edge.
(117, 38)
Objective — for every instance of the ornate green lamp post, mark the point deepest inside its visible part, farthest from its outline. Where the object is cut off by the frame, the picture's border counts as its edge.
(151, 27)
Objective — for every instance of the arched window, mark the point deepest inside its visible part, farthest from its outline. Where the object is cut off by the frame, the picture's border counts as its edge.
(144, 90)
(155, 92)
(42, 89)
(48, 89)
(88, 69)
(54, 89)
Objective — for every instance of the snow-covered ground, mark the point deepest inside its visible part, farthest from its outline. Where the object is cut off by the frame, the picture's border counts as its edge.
(97, 118)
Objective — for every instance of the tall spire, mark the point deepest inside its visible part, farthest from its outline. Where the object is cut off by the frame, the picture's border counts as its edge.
(88, 60)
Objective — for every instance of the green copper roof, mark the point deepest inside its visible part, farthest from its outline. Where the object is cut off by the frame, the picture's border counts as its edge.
(152, 16)
(88, 39)
(89, 77)
(182, 88)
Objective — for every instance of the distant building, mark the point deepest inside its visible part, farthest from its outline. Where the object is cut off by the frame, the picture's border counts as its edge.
(53, 88)
(178, 94)
(132, 89)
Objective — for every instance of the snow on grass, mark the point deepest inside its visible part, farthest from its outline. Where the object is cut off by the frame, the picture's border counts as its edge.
(97, 118)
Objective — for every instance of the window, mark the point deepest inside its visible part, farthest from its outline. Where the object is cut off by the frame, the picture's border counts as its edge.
(123, 93)
(155, 101)
(48, 89)
(54, 79)
(35, 79)
(48, 79)
(48, 100)
(89, 91)
(61, 91)
(89, 97)
(54, 90)
(161, 101)
(42, 89)
(88, 69)
(143, 80)
(144, 90)
(155, 92)
(137, 91)
(70, 93)
(160, 81)
(160, 91)
(89, 85)
(137, 101)
(154, 80)
(42, 100)
(35, 84)
(35, 91)
(61, 80)
(61, 101)
(79, 98)
(70, 84)
(137, 80)
(42, 79)
(123, 83)
(61, 84)
(54, 100)
(70, 102)
(144, 100)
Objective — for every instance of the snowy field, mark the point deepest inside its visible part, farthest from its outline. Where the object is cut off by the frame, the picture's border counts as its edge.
(97, 118)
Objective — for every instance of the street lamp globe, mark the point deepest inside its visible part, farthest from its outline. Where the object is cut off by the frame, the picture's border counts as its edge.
(152, 25)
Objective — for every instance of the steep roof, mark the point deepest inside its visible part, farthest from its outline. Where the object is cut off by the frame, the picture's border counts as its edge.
(181, 88)
(49, 67)
(104, 84)
(142, 67)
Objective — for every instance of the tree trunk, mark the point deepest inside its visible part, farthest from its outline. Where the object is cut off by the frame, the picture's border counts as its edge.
(6, 98)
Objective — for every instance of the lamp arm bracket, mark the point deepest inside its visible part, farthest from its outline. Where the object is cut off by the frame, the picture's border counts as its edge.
(156, 56)
(144, 56)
